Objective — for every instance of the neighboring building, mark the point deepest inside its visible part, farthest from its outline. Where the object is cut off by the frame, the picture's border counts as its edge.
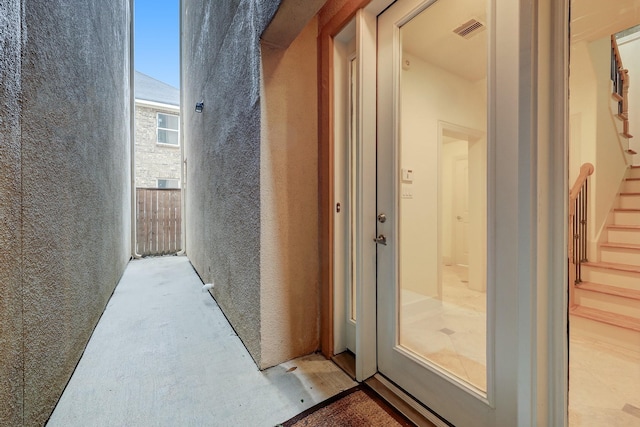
(157, 139)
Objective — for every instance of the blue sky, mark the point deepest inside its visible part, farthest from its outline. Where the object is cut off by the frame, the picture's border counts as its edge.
(156, 42)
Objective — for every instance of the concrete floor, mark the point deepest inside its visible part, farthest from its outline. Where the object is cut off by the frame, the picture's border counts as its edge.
(163, 354)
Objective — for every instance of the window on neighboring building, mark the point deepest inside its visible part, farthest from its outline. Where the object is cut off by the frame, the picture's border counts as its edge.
(168, 183)
(168, 126)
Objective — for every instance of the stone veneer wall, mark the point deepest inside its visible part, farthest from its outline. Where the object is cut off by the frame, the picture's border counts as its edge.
(153, 160)
(64, 189)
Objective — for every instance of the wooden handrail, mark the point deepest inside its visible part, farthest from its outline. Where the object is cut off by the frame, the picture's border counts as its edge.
(620, 78)
(577, 243)
(585, 171)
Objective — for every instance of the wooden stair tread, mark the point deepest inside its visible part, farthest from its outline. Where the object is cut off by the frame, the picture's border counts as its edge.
(630, 151)
(625, 210)
(630, 194)
(616, 96)
(624, 227)
(633, 179)
(614, 319)
(610, 290)
(613, 266)
(620, 246)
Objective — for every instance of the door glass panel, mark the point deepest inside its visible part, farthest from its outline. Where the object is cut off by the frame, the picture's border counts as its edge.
(353, 167)
(442, 189)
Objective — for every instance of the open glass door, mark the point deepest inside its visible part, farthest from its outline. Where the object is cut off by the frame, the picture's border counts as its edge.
(435, 316)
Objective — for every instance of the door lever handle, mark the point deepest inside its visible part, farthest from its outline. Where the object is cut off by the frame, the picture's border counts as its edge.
(381, 240)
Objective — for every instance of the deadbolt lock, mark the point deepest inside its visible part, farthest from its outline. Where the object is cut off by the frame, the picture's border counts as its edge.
(382, 218)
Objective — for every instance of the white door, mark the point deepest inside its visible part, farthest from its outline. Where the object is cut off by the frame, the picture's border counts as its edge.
(441, 351)
(461, 210)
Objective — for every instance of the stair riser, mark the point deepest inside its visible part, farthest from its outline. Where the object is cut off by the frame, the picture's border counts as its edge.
(610, 303)
(630, 202)
(620, 256)
(634, 173)
(631, 186)
(603, 332)
(631, 237)
(622, 279)
(626, 218)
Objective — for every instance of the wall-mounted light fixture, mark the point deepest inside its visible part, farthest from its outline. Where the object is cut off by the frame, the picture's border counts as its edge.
(199, 106)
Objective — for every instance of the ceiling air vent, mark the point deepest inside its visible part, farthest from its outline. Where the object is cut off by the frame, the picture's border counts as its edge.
(469, 28)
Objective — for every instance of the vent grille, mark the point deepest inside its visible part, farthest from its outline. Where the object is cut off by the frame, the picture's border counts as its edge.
(469, 28)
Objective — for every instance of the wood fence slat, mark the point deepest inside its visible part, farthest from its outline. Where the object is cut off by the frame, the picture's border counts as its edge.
(147, 206)
(165, 222)
(154, 210)
(139, 219)
(178, 208)
(171, 228)
(158, 221)
(160, 196)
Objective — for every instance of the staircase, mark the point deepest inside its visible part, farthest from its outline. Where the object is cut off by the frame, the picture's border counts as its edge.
(606, 304)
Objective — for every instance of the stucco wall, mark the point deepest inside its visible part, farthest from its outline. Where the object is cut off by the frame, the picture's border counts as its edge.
(153, 160)
(65, 224)
(221, 66)
(289, 258)
(10, 236)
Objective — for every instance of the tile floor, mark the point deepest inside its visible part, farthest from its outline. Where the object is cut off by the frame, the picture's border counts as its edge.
(449, 332)
(163, 354)
(604, 385)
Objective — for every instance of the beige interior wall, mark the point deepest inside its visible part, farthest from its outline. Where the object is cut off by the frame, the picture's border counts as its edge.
(610, 161)
(289, 270)
(630, 53)
(582, 109)
(429, 95)
(594, 131)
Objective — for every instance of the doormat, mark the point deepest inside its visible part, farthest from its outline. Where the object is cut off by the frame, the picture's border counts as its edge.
(358, 406)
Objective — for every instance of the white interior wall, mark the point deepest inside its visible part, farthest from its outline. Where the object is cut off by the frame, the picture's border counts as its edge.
(429, 95)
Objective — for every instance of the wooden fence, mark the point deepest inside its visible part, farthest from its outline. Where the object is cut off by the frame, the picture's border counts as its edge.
(158, 221)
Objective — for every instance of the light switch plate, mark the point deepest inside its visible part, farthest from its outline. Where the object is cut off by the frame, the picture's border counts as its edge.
(407, 175)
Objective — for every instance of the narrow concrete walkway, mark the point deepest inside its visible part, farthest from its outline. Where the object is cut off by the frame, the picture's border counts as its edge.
(163, 354)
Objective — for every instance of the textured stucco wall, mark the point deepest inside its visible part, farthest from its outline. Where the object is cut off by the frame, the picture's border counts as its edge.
(221, 66)
(289, 259)
(65, 196)
(11, 402)
(153, 160)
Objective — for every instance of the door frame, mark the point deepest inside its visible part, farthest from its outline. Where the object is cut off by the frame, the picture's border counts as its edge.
(539, 39)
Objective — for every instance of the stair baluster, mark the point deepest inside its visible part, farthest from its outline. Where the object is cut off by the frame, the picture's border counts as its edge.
(578, 209)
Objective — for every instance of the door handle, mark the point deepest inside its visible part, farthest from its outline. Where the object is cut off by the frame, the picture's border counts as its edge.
(381, 240)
